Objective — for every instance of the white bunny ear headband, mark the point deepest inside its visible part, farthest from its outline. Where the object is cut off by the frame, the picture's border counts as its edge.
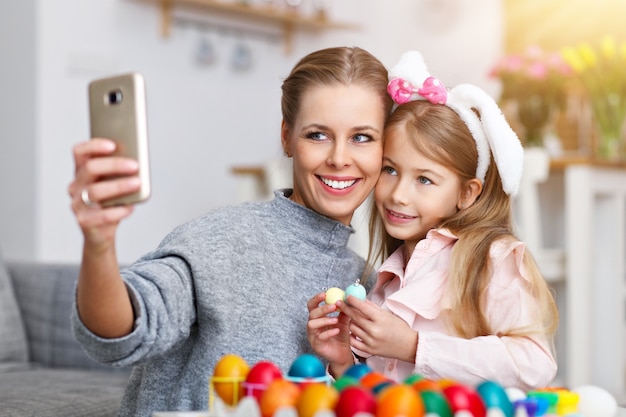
(410, 80)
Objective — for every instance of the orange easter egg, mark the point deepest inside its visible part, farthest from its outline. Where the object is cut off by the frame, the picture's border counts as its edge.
(399, 400)
(316, 397)
(279, 393)
(228, 376)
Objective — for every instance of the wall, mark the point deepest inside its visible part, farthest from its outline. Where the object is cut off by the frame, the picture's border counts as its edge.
(202, 119)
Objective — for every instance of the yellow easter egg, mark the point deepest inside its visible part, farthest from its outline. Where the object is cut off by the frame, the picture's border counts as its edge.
(316, 397)
(333, 295)
(228, 376)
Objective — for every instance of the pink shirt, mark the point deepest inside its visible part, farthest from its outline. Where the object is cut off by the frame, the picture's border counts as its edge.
(417, 296)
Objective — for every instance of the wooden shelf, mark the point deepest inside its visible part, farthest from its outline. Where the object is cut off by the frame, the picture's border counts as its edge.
(289, 20)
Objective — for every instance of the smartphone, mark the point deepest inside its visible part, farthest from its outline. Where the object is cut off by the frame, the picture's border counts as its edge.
(117, 111)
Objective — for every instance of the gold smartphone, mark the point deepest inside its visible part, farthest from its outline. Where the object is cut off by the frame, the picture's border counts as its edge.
(117, 111)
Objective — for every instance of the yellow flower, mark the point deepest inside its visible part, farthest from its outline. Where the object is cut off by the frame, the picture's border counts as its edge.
(571, 56)
(608, 47)
(588, 55)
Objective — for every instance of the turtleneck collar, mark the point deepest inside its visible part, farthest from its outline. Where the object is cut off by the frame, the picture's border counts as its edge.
(308, 225)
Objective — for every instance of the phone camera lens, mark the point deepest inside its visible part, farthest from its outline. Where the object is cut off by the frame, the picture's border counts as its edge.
(115, 97)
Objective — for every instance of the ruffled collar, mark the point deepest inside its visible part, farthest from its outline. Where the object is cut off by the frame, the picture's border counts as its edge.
(425, 273)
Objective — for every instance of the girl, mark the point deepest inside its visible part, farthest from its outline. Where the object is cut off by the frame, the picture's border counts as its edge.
(234, 279)
(459, 296)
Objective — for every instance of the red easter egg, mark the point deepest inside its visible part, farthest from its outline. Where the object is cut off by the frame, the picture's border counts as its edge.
(463, 398)
(259, 377)
(354, 400)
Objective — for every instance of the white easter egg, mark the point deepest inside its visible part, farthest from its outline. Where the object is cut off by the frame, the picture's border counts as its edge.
(595, 402)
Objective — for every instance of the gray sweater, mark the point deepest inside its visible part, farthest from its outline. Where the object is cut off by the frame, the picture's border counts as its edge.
(233, 281)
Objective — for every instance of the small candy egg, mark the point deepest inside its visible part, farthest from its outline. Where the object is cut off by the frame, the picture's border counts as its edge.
(334, 294)
(356, 290)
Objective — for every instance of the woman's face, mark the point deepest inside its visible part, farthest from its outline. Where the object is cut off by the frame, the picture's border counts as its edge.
(336, 145)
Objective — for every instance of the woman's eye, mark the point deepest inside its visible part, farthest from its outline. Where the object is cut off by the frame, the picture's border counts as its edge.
(316, 136)
(424, 180)
(362, 138)
(389, 170)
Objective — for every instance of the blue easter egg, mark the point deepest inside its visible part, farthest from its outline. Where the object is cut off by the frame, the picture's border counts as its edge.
(356, 290)
(358, 371)
(307, 366)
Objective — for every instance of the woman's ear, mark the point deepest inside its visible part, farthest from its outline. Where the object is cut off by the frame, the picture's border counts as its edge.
(284, 139)
(470, 193)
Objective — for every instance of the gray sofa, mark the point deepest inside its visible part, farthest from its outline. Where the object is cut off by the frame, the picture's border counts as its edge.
(43, 370)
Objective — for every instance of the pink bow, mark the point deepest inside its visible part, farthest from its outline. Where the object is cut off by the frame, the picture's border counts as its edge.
(433, 90)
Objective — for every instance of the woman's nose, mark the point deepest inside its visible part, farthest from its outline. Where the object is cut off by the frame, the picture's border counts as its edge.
(339, 155)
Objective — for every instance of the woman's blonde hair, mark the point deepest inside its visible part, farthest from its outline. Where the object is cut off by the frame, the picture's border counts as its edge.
(439, 133)
(338, 65)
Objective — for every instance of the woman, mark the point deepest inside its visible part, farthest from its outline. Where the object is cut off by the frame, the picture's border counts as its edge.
(237, 279)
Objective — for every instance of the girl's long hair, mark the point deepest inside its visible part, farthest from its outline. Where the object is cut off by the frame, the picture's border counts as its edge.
(437, 132)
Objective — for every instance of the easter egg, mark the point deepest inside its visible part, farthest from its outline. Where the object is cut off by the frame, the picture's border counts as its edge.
(228, 377)
(357, 371)
(316, 397)
(595, 401)
(278, 394)
(372, 379)
(399, 400)
(353, 400)
(494, 396)
(259, 377)
(344, 381)
(463, 398)
(356, 290)
(435, 403)
(333, 295)
(426, 384)
(307, 366)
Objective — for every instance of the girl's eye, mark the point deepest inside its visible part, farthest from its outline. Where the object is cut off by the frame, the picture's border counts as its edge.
(389, 170)
(424, 180)
(316, 136)
(362, 138)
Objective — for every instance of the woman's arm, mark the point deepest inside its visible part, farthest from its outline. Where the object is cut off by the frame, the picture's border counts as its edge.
(103, 302)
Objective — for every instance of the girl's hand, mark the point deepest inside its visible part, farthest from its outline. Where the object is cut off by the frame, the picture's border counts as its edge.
(99, 176)
(329, 336)
(379, 332)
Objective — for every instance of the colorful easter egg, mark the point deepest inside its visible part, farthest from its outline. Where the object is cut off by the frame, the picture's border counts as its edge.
(494, 396)
(316, 397)
(464, 398)
(334, 294)
(399, 400)
(279, 393)
(357, 371)
(353, 400)
(356, 290)
(228, 376)
(259, 377)
(307, 366)
(435, 403)
(344, 381)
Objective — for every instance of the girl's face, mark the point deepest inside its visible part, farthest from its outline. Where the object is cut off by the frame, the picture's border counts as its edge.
(336, 145)
(414, 194)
